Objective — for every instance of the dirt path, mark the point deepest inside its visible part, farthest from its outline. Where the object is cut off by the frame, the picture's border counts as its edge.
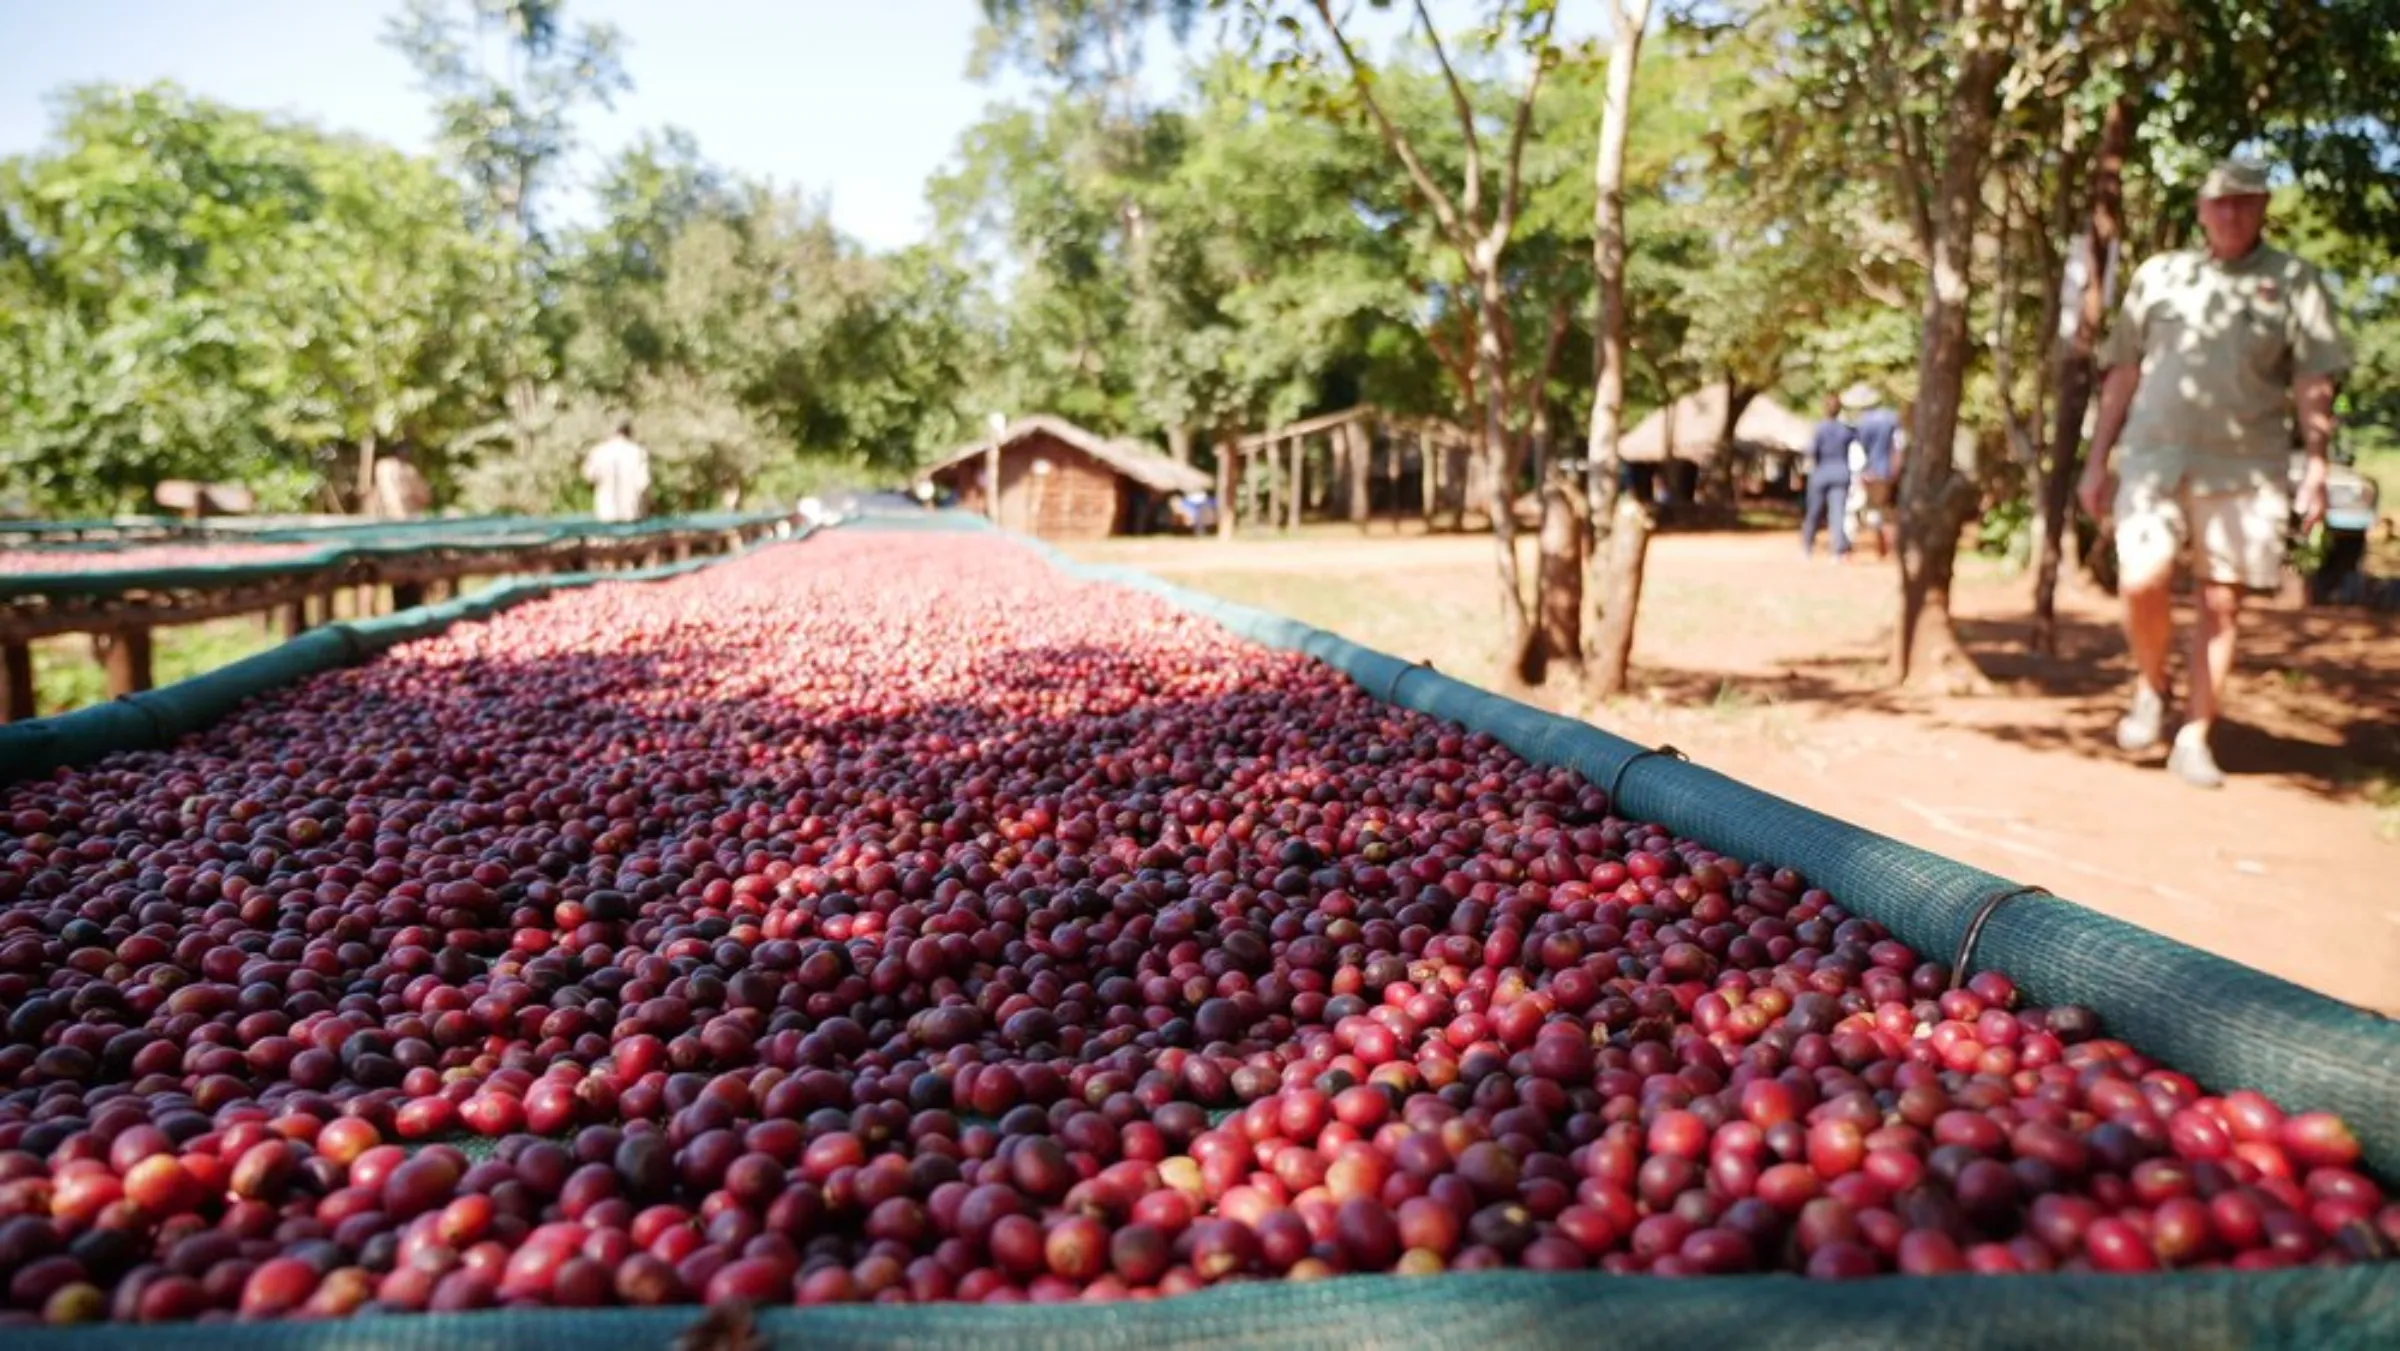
(1768, 668)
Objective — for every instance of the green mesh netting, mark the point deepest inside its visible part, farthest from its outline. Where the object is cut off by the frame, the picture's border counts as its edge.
(367, 543)
(2354, 1309)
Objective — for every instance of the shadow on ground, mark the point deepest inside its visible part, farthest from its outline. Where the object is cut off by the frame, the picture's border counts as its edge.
(2316, 702)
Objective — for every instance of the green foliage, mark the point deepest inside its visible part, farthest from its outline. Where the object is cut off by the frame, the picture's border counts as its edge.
(2006, 531)
(195, 291)
(508, 132)
(706, 450)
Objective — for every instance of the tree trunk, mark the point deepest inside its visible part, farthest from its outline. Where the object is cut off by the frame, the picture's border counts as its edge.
(1179, 442)
(1556, 636)
(1608, 262)
(1738, 398)
(1622, 523)
(366, 473)
(2076, 372)
(1935, 499)
(1499, 447)
(1628, 555)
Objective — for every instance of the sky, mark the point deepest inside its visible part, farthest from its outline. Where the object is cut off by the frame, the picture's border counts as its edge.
(859, 99)
(854, 101)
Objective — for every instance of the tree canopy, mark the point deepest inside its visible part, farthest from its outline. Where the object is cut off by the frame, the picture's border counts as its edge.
(190, 289)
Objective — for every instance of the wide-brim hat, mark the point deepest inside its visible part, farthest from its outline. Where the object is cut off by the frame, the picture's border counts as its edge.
(1860, 397)
(2234, 178)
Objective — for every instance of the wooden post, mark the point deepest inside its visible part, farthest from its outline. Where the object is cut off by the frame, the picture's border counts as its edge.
(16, 680)
(1428, 476)
(1359, 437)
(126, 656)
(1226, 455)
(991, 479)
(294, 616)
(1297, 449)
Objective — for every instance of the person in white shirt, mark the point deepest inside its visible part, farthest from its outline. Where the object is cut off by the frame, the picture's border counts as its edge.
(619, 471)
(400, 490)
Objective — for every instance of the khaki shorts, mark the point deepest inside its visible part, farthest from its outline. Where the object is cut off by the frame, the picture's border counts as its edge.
(2235, 537)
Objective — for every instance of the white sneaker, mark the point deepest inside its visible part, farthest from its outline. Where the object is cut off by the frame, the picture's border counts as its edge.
(2144, 723)
(2191, 760)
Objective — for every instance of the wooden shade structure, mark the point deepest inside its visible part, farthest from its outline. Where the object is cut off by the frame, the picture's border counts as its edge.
(1061, 481)
(1690, 429)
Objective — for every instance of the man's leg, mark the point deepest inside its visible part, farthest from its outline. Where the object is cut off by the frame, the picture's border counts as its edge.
(2212, 664)
(2150, 629)
(2240, 535)
(1810, 515)
(2149, 535)
(2212, 651)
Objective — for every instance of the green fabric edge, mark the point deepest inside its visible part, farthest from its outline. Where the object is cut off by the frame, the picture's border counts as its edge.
(2319, 1309)
(367, 544)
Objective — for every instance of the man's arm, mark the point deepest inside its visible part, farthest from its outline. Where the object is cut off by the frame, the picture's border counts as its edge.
(2315, 396)
(2117, 389)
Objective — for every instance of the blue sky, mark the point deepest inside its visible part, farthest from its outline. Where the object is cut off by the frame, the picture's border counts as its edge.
(855, 100)
(861, 99)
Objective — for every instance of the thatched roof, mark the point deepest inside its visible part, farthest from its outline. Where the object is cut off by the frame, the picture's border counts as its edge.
(1130, 458)
(1691, 424)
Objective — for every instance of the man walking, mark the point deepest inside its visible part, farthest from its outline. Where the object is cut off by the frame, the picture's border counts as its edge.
(1879, 437)
(619, 471)
(1828, 482)
(2205, 349)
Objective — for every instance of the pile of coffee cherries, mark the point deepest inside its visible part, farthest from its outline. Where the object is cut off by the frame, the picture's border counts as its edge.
(890, 918)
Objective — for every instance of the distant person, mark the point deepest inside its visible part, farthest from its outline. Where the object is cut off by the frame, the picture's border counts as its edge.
(2205, 348)
(399, 490)
(1828, 482)
(1875, 490)
(619, 471)
(1194, 511)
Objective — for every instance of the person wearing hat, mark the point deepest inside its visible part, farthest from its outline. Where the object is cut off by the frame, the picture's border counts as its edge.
(1872, 487)
(2210, 349)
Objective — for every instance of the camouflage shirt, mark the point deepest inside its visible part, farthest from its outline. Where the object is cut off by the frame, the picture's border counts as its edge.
(2220, 345)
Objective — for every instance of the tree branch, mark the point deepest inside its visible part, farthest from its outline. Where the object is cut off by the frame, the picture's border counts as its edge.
(1902, 130)
(1445, 211)
(1516, 135)
(1471, 203)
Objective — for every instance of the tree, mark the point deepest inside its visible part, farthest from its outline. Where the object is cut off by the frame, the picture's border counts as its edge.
(2076, 372)
(1913, 93)
(755, 347)
(508, 131)
(1475, 220)
(193, 291)
(1629, 532)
